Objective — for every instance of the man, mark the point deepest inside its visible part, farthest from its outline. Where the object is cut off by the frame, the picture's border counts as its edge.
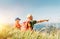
(17, 25)
(30, 22)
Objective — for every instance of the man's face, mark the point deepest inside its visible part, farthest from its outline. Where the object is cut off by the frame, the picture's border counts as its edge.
(31, 18)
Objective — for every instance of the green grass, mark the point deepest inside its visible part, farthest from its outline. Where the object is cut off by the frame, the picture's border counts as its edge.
(13, 33)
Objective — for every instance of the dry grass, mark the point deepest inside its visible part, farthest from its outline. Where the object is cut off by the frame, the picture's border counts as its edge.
(8, 32)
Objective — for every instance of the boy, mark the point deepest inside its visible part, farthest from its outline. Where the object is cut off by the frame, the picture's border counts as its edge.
(17, 25)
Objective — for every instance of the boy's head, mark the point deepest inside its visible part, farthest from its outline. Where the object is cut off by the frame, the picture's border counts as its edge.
(17, 19)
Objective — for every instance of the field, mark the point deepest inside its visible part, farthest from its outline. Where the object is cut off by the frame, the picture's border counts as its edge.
(8, 32)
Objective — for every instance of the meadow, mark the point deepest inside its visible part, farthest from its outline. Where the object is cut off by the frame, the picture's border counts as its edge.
(8, 32)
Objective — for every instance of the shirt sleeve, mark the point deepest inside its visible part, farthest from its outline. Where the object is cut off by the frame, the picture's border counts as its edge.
(33, 22)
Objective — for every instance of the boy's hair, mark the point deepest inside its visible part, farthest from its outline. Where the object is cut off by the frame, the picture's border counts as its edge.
(17, 19)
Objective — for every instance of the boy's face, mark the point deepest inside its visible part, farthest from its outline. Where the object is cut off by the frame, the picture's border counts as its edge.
(17, 21)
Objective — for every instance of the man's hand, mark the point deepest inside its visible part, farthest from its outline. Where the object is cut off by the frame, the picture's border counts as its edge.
(46, 20)
(39, 21)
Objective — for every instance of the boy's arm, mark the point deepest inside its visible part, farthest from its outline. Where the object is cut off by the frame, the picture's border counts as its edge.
(39, 21)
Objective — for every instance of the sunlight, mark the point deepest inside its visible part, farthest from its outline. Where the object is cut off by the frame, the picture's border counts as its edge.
(3, 20)
(1, 27)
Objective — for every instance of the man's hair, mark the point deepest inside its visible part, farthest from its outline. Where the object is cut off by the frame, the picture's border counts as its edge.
(29, 15)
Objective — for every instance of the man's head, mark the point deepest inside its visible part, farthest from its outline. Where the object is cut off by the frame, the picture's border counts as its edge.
(17, 20)
(30, 17)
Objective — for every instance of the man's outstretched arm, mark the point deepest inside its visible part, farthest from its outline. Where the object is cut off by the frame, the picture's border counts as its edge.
(39, 21)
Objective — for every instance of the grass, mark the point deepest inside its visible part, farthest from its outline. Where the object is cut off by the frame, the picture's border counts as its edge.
(8, 32)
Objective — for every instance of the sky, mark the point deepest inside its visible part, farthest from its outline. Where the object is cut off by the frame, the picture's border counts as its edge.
(40, 9)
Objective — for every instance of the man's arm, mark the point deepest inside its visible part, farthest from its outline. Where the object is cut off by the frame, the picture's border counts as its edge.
(39, 21)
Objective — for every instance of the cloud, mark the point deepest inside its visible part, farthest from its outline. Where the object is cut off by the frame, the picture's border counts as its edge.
(55, 20)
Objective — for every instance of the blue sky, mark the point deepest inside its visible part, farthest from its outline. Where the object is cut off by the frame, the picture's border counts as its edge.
(40, 9)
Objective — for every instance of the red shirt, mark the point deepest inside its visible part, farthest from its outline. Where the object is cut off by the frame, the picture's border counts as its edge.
(17, 25)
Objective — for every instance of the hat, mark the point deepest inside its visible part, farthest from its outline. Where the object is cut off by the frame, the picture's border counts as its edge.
(17, 19)
(29, 15)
